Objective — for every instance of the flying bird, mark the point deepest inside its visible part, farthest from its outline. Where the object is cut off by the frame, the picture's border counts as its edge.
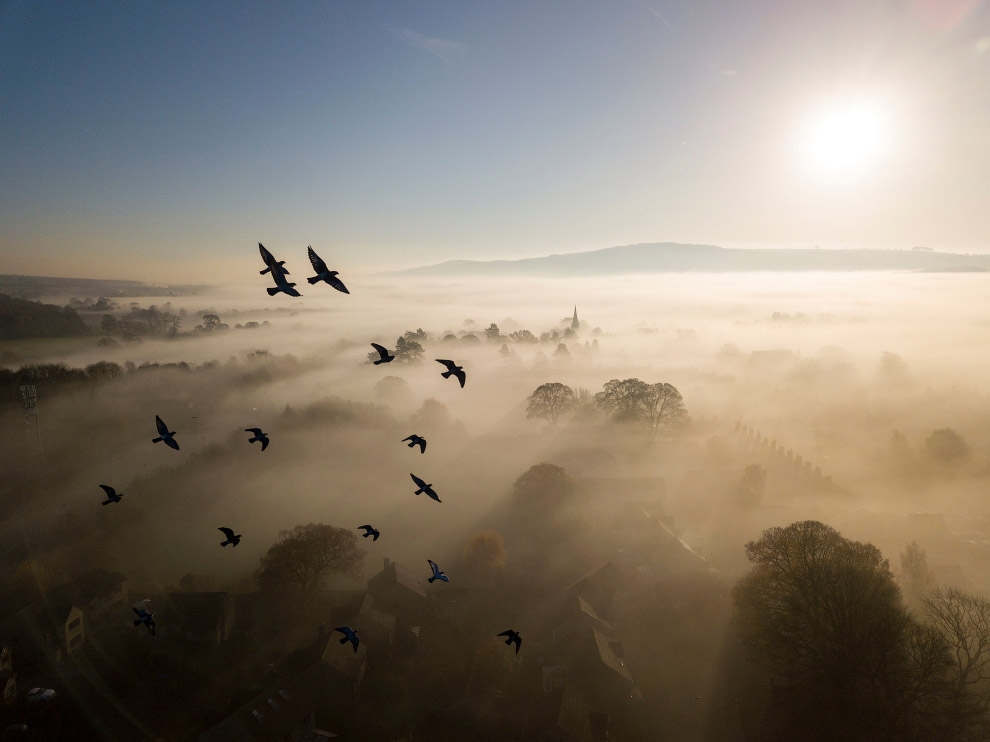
(274, 266)
(386, 357)
(146, 618)
(112, 495)
(350, 635)
(370, 531)
(258, 436)
(437, 574)
(416, 440)
(452, 370)
(513, 637)
(164, 434)
(232, 538)
(323, 273)
(424, 487)
(283, 286)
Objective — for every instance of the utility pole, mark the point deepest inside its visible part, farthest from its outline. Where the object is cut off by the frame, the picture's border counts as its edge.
(29, 395)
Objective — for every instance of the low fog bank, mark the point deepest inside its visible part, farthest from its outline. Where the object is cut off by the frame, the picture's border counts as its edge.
(857, 400)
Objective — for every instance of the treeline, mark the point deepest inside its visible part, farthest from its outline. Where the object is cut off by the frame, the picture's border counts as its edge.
(20, 319)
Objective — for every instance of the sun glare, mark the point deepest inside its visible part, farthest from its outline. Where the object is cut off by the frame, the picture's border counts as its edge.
(845, 141)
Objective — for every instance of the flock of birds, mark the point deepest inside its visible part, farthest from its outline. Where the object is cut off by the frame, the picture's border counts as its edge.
(323, 273)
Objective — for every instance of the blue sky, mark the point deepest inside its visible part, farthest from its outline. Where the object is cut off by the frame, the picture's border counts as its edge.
(159, 140)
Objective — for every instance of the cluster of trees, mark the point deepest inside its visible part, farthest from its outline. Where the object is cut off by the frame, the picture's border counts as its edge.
(138, 321)
(102, 304)
(823, 616)
(20, 319)
(659, 407)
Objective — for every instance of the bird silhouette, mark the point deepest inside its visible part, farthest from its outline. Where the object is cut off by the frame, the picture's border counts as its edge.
(323, 273)
(424, 487)
(437, 574)
(258, 436)
(146, 618)
(274, 266)
(164, 434)
(416, 440)
(350, 635)
(386, 357)
(513, 637)
(452, 370)
(370, 531)
(232, 538)
(112, 495)
(282, 286)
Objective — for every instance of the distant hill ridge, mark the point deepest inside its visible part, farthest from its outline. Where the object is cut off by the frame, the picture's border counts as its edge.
(673, 257)
(37, 287)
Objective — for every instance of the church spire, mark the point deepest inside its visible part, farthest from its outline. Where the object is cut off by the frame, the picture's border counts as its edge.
(575, 324)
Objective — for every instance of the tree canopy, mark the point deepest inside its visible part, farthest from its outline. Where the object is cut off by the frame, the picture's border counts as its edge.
(549, 400)
(304, 556)
(660, 406)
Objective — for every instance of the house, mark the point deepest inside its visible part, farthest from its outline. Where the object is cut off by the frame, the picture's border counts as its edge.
(98, 592)
(374, 625)
(284, 713)
(600, 587)
(398, 591)
(574, 618)
(333, 680)
(52, 631)
(598, 666)
(201, 618)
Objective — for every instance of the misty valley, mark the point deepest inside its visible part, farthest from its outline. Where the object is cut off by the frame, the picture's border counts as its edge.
(693, 507)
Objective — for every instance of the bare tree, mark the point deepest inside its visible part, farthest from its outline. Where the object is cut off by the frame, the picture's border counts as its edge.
(549, 401)
(916, 578)
(664, 408)
(964, 621)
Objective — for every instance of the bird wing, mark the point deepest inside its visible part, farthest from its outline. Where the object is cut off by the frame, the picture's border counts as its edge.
(141, 612)
(345, 630)
(419, 482)
(228, 532)
(410, 438)
(367, 528)
(337, 284)
(264, 443)
(422, 445)
(266, 256)
(162, 427)
(449, 364)
(256, 431)
(382, 350)
(432, 494)
(461, 377)
(109, 490)
(318, 265)
(434, 567)
(170, 442)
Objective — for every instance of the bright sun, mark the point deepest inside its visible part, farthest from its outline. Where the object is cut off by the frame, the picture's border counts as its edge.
(845, 141)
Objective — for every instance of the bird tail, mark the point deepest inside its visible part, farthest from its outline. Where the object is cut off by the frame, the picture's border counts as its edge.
(225, 543)
(431, 579)
(273, 290)
(508, 641)
(155, 440)
(266, 270)
(137, 621)
(446, 374)
(314, 279)
(419, 491)
(344, 640)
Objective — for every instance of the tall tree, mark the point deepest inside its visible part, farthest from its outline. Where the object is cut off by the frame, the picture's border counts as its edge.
(549, 400)
(664, 408)
(824, 615)
(303, 557)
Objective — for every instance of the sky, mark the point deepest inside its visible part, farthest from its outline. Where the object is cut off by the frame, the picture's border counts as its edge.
(163, 141)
